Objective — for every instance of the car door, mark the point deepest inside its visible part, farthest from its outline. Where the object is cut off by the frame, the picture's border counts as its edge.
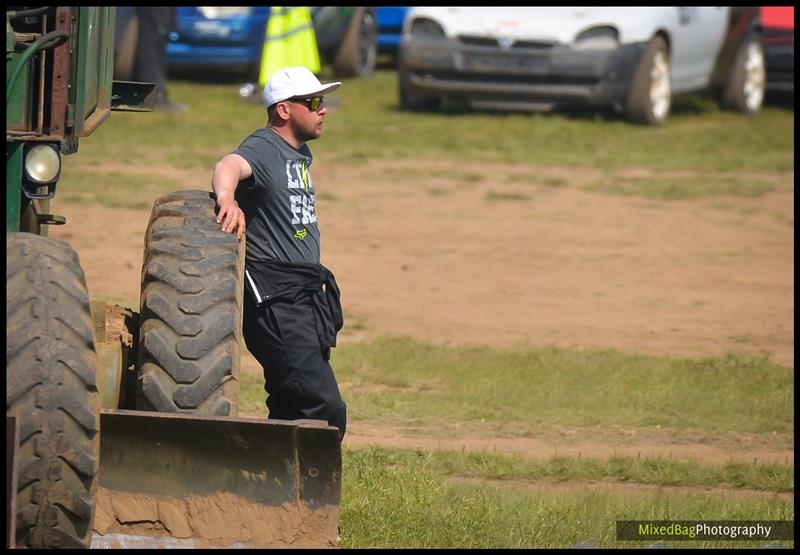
(696, 36)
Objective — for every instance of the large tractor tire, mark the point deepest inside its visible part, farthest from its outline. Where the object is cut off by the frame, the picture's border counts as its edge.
(357, 53)
(191, 310)
(51, 389)
(650, 98)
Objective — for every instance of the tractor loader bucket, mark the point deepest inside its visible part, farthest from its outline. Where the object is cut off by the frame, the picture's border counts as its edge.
(170, 480)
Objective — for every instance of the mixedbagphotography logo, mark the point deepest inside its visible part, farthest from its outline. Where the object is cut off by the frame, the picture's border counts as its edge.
(743, 530)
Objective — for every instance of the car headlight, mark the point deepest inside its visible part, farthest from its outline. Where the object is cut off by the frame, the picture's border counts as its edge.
(423, 28)
(602, 37)
(42, 164)
(214, 12)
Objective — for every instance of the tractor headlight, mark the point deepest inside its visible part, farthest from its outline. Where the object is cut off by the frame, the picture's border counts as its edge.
(42, 164)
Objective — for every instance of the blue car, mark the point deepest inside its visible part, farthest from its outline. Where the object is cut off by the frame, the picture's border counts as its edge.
(390, 28)
(230, 39)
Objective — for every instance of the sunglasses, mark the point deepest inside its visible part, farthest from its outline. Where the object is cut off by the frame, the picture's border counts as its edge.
(313, 104)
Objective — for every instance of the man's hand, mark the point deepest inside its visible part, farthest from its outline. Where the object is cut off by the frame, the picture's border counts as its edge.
(227, 174)
(231, 217)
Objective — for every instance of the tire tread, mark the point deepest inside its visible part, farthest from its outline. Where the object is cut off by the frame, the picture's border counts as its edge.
(52, 389)
(190, 309)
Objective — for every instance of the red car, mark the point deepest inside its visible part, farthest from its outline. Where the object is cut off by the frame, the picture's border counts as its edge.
(778, 42)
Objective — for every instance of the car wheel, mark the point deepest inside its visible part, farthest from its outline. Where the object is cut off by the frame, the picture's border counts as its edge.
(126, 55)
(408, 99)
(356, 55)
(650, 97)
(744, 91)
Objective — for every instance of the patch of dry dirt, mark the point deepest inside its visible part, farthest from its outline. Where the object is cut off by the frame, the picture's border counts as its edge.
(421, 249)
(439, 260)
(501, 254)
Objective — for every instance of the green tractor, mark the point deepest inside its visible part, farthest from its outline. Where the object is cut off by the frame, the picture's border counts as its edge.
(122, 426)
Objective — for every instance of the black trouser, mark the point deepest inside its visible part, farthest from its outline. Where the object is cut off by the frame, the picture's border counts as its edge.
(299, 380)
(150, 65)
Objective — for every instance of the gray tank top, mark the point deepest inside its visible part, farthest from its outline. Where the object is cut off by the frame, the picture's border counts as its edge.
(278, 200)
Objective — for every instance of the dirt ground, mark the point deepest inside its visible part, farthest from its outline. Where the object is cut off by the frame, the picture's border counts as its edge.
(207, 520)
(487, 254)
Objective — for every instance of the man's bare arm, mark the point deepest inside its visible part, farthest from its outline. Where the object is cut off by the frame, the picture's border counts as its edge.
(227, 174)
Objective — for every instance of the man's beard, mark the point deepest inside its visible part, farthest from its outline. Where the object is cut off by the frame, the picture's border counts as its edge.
(305, 135)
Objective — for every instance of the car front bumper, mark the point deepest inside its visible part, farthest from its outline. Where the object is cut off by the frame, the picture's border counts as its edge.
(519, 77)
(183, 56)
(779, 59)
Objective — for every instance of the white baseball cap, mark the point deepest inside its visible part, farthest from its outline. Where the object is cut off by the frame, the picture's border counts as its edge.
(295, 82)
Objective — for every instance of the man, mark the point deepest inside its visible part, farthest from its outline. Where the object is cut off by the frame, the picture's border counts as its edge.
(291, 302)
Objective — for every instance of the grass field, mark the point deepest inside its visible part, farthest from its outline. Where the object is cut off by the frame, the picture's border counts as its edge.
(419, 498)
(401, 499)
(399, 380)
(396, 497)
(699, 140)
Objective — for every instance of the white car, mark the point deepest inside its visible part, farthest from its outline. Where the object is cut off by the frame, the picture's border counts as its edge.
(633, 59)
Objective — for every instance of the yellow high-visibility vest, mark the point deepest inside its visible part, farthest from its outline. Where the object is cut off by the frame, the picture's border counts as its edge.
(290, 40)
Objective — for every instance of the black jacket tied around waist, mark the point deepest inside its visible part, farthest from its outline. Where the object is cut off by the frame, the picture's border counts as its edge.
(275, 280)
